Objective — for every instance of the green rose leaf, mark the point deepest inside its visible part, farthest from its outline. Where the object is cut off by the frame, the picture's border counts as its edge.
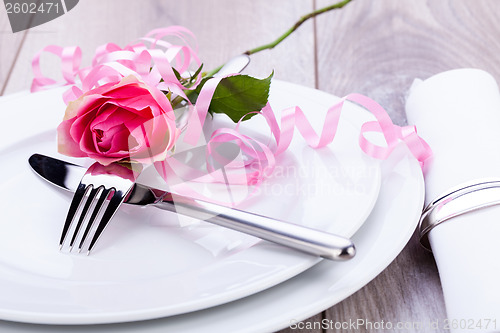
(237, 95)
(187, 82)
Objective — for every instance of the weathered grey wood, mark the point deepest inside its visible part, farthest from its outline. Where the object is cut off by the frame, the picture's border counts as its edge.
(378, 48)
(10, 45)
(247, 24)
(407, 292)
(373, 47)
(310, 325)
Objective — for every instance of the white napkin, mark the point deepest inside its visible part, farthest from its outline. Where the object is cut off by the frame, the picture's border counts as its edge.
(458, 114)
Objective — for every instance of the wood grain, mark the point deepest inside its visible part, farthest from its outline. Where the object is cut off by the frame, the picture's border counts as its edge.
(378, 48)
(372, 47)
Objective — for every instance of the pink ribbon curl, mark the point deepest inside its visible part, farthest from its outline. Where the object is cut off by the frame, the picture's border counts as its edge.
(153, 64)
(156, 61)
(262, 156)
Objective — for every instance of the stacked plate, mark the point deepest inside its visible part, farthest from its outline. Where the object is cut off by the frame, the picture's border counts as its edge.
(182, 275)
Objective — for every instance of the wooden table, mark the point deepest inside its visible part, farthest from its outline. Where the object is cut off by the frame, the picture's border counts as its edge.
(376, 48)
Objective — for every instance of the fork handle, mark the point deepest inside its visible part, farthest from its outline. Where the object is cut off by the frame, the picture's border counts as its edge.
(311, 241)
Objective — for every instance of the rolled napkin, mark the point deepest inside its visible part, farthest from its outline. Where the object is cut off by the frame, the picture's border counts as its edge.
(458, 114)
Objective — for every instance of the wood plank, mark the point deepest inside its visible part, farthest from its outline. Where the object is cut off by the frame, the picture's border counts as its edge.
(10, 44)
(247, 24)
(378, 48)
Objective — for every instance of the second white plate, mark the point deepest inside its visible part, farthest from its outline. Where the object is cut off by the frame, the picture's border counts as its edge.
(147, 265)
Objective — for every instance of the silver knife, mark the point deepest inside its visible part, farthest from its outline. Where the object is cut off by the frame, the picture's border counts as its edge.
(326, 245)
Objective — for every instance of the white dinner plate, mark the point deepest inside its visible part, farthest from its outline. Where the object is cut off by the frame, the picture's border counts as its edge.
(147, 264)
(378, 241)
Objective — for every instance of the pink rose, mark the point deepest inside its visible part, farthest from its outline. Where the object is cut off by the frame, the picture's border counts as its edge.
(117, 121)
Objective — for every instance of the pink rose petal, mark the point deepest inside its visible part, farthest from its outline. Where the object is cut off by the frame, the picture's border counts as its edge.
(120, 120)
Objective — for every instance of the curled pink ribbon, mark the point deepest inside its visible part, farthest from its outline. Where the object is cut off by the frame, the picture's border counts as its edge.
(264, 156)
(156, 65)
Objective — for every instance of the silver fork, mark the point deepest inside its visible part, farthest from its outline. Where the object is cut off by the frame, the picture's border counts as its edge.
(100, 183)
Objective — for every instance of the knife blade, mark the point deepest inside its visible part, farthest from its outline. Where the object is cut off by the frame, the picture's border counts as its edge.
(67, 176)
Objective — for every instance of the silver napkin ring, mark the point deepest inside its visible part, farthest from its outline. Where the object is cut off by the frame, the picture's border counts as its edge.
(465, 198)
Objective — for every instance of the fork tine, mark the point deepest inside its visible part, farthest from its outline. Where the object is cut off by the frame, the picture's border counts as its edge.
(83, 214)
(73, 208)
(115, 202)
(104, 183)
(97, 209)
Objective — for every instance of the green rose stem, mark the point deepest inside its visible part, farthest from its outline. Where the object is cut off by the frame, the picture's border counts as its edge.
(271, 45)
(297, 24)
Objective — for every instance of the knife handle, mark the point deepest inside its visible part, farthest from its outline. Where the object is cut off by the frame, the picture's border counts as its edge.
(311, 241)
